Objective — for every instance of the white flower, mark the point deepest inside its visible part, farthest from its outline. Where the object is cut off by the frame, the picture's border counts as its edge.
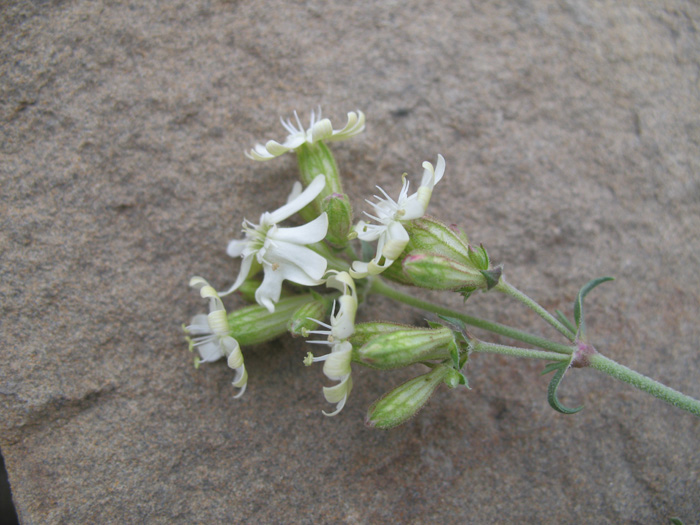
(337, 362)
(392, 237)
(320, 129)
(212, 336)
(282, 252)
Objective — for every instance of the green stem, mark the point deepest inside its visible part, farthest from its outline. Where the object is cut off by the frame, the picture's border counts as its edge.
(644, 383)
(515, 351)
(382, 288)
(511, 290)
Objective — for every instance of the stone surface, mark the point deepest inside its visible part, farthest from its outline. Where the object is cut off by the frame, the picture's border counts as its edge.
(571, 134)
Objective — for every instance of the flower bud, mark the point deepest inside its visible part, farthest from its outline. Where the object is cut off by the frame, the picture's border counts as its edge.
(255, 324)
(405, 347)
(440, 273)
(304, 318)
(429, 235)
(337, 207)
(402, 403)
(316, 159)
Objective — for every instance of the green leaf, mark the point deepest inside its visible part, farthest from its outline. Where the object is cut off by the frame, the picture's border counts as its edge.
(578, 304)
(676, 521)
(565, 321)
(552, 393)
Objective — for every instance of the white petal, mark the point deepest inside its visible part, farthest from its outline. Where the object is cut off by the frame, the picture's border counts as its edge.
(396, 241)
(242, 275)
(309, 233)
(268, 293)
(355, 125)
(304, 198)
(296, 191)
(210, 351)
(359, 270)
(321, 130)
(337, 365)
(235, 247)
(235, 356)
(286, 254)
(369, 232)
(199, 325)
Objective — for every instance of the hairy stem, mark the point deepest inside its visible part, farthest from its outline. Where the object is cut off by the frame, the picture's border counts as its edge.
(511, 290)
(490, 348)
(644, 383)
(382, 288)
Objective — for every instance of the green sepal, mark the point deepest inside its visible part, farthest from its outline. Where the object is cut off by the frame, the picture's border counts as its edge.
(313, 160)
(455, 378)
(454, 354)
(254, 324)
(479, 257)
(437, 272)
(366, 331)
(578, 305)
(403, 402)
(565, 321)
(554, 402)
(405, 347)
(304, 318)
(458, 326)
(339, 211)
(492, 276)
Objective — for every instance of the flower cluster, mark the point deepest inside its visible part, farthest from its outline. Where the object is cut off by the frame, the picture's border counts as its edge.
(296, 260)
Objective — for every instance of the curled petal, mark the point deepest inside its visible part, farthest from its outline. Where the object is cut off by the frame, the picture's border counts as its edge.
(309, 233)
(268, 293)
(242, 275)
(354, 126)
(396, 241)
(321, 130)
(338, 394)
(301, 200)
(337, 364)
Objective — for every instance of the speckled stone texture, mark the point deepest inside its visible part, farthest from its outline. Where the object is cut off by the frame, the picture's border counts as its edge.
(571, 132)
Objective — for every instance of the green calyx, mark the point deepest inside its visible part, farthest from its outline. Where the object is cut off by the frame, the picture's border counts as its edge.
(254, 324)
(313, 160)
(405, 347)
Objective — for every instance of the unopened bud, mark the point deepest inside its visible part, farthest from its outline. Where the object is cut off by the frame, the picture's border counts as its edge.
(304, 318)
(440, 273)
(337, 207)
(255, 324)
(431, 236)
(405, 347)
(402, 403)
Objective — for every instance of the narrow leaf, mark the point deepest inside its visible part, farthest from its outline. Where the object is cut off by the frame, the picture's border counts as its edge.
(552, 393)
(578, 304)
(565, 321)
